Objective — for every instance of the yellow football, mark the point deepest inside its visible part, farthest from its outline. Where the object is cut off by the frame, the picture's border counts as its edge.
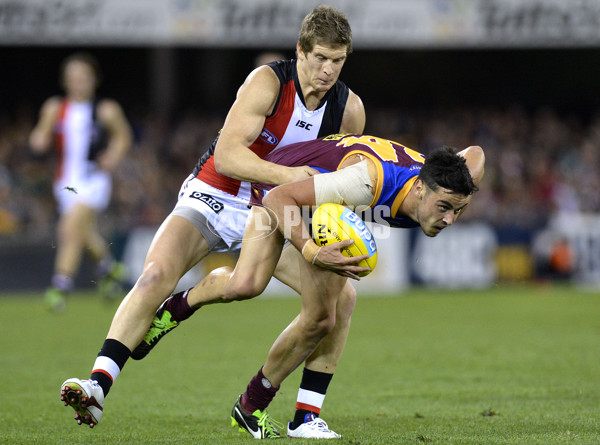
(334, 222)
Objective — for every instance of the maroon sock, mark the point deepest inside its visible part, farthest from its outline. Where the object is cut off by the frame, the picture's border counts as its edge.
(259, 393)
(178, 306)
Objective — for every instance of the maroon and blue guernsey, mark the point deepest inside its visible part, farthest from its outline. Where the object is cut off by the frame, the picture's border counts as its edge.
(398, 167)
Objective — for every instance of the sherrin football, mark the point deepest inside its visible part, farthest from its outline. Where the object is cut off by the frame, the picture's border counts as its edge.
(333, 222)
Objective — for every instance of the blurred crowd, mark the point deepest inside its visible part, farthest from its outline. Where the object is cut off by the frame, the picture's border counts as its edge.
(539, 163)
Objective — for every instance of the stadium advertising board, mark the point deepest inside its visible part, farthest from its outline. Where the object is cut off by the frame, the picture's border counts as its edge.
(260, 23)
(582, 233)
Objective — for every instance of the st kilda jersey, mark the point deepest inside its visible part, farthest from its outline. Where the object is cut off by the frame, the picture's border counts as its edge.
(79, 138)
(397, 169)
(289, 122)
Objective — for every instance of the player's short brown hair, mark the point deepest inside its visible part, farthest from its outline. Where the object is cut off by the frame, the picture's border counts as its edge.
(325, 25)
(82, 57)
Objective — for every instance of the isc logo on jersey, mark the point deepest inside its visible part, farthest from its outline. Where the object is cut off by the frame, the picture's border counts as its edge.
(334, 222)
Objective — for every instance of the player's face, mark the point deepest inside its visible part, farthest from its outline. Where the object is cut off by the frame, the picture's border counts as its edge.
(439, 209)
(323, 65)
(79, 80)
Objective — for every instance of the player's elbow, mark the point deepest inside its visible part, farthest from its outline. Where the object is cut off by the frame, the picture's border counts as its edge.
(479, 164)
(220, 165)
(39, 149)
(477, 154)
(270, 198)
(225, 165)
(126, 139)
(475, 159)
(37, 143)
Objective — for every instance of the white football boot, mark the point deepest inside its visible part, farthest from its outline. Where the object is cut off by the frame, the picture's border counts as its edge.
(86, 398)
(312, 428)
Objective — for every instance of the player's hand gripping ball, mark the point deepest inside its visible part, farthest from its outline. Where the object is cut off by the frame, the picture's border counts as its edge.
(333, 222)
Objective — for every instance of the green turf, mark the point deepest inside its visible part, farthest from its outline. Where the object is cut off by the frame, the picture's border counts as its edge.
(504, 366)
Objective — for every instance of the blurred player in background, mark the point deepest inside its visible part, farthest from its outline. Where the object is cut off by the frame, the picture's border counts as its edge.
(267, 57)
(372, 173)
(281, 103)
(90, 136)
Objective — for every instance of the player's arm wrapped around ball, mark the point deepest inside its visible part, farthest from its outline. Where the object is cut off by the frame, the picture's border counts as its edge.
(333, 223)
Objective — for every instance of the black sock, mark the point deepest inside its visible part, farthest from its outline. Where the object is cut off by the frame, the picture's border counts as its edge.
(314, 381)
(104, 372)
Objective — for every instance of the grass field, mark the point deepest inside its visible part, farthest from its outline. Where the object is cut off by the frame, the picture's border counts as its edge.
(504, 366)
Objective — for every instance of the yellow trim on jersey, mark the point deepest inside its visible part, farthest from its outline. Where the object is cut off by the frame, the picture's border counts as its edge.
(336, 136)
(379, 180)
(402, 195)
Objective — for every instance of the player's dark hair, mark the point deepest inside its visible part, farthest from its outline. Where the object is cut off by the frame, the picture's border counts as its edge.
(325, 25)
(82, 57)
(444, 168)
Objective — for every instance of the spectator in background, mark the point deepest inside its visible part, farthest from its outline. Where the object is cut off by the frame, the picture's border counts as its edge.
(267, 57)
(8, 217)
(91, 137)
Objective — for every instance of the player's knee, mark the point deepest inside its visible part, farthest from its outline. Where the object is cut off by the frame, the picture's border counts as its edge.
(326, 325)
(67, 229)
(62, 231)
(157, 278)
(346, 302)
(318, 326)
(242, 289)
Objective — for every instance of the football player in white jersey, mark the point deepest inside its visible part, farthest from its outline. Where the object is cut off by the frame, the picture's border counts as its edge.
(212, 209)
(90, 137)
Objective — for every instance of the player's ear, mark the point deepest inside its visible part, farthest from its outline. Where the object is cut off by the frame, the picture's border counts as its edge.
(299, 52)
(419, 188)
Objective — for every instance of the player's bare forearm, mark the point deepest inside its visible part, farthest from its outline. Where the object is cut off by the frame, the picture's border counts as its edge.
(242, 164)
(243, 125)
(286, 202)
(114, 153)
(40, 139)
(120, 134)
